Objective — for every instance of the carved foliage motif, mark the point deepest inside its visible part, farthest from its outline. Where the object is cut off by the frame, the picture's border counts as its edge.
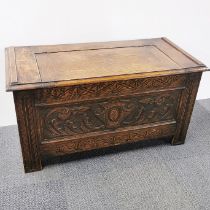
(107, 115)
(106, 89)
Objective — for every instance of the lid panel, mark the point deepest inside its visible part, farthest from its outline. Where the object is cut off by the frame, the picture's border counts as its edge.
(72, 65)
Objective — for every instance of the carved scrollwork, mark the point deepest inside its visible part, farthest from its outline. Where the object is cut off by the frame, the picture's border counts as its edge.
(106, 115)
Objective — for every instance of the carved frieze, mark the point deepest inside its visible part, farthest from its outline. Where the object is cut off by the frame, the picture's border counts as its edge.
(107, 115)
(108, 89)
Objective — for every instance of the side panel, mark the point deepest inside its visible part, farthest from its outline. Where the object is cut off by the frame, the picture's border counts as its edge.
(186, 105)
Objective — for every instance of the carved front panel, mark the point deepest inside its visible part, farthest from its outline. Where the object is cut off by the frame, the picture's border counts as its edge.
(107, 114)
(108, 89)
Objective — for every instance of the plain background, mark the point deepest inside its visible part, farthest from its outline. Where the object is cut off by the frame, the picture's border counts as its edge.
(24, 22)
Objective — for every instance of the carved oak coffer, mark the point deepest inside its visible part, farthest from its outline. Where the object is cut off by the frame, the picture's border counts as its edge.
(79, 97)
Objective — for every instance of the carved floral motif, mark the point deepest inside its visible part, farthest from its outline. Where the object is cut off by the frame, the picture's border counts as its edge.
(106, 115)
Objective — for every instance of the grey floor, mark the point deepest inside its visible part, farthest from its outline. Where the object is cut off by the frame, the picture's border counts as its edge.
(158, 176)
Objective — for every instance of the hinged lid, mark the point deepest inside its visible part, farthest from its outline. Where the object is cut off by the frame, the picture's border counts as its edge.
(62, 65)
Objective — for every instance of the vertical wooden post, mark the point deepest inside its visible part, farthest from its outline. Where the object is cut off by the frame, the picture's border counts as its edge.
(186, 105)
(27, 125)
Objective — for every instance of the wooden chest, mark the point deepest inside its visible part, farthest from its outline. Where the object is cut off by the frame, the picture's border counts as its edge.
(78, 97)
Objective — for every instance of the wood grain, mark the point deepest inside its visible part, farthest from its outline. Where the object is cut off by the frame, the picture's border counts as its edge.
(74, 65)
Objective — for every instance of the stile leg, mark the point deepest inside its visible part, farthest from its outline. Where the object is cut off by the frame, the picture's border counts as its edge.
(186, 107)
(27, 126)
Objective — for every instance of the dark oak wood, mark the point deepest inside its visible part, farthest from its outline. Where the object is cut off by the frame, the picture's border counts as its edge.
(79, 97)
(186, 107)
(28, 132)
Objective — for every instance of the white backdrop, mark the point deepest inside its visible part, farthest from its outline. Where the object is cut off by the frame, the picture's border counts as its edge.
(24, 22)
